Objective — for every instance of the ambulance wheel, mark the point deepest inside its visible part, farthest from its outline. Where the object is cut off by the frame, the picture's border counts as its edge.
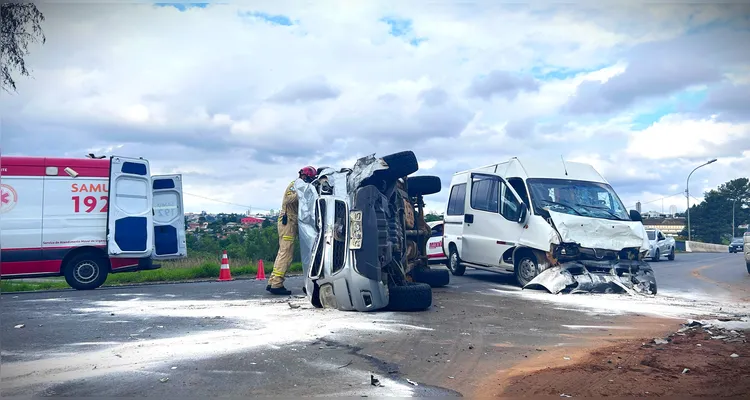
(526, 269)
(454, 262)
(86, 271)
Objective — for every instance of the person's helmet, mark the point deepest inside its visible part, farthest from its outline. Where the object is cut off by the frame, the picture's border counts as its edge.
(309, 172)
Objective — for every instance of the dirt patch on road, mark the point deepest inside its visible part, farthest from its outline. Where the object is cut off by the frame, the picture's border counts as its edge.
(696, 361)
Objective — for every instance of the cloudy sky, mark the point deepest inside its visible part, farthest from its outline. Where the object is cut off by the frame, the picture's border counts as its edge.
(238, 97)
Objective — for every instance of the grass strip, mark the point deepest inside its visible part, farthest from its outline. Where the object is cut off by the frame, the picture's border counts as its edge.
(207, 270)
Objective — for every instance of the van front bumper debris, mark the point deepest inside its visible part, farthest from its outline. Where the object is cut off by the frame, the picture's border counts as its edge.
(585, 276)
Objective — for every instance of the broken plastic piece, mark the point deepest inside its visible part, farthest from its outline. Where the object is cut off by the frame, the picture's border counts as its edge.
(734, 355)
(411, 382)
(584, 276)
(19, 326)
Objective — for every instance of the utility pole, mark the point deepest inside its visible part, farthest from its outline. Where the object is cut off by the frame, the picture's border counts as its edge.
(733, 200)
(687, 193)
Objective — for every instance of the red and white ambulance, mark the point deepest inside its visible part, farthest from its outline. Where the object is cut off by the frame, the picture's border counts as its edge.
(85, 218)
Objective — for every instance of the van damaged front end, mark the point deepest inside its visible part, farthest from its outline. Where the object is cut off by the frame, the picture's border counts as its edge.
(595, 255)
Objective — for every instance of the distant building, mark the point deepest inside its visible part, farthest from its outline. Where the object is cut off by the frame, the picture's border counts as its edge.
(251, 221)
(670, 226)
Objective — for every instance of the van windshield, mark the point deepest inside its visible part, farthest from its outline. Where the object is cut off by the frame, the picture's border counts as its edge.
(588, 199)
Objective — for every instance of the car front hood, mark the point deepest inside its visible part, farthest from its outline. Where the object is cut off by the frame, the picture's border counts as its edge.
(597, 233)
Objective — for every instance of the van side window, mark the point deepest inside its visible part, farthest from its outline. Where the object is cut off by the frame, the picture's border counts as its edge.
(510, 208)
(484, 194)
(520, 188)
(457, 200)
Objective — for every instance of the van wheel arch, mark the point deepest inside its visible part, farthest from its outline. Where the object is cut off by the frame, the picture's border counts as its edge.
(96, 257)
(530, 260)
(458, 269)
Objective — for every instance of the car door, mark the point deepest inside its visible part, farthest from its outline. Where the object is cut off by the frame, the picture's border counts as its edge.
(491, 222)
(169, 217)
(130, 213)
(661, 242)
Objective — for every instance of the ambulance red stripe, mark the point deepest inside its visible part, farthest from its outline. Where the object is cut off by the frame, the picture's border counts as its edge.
(36, 166)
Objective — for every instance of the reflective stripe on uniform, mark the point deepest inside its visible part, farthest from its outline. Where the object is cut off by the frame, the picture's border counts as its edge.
(276, 273)
(288, 238)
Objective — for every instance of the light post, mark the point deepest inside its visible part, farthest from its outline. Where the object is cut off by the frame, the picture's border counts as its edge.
(687, 193)
(733, 201)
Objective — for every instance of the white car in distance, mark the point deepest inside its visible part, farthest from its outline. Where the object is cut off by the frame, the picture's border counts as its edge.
(435, 252)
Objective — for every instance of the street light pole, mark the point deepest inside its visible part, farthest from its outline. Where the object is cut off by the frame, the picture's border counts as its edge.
(733, 201)
(687, 194)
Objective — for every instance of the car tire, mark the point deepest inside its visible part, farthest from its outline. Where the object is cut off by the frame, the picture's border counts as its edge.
(670, 257)
(411, 297)
(401, 164)
(523, 267)
(423, 185)
(747, 264)
(316, 297)
(433, 277)
(657, 256)
(454, 263)
(86, 271)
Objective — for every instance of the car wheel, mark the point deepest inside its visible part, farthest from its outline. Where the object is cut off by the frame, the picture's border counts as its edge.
(454, 263)
(657, 256)
(747, 264)
(433, 277)
(86, 271)
(423, 185)
(411, 297)
(526, 269)
(670, 257)
(399, 165)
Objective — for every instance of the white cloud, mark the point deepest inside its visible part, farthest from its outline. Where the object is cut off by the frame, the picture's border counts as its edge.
(238, 104)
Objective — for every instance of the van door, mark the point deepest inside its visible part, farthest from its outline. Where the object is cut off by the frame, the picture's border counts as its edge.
(492, 220)
(130, 212)
(169, 217)
(453, 220)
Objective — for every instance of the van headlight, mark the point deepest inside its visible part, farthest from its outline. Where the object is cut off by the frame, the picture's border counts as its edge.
(355, 229)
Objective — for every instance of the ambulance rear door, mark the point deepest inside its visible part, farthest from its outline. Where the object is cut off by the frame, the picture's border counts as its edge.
(169, 218)
(130, 231)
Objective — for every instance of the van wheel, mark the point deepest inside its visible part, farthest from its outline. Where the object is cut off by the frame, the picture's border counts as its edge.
(86, 271)
(670, 257)
(410, 297)
(433, 277)
(454, 263)
(747, 264)
(526, 269)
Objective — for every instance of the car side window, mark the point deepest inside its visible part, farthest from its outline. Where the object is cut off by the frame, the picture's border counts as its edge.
(437, 231)
(510, 208)
(457, 200)
(661, 237)
(484, 194)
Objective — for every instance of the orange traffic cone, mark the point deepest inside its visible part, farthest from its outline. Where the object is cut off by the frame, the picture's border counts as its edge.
(224, 274)
(261, 275)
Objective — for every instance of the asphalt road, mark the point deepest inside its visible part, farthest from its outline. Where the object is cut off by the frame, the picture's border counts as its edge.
(234, 339)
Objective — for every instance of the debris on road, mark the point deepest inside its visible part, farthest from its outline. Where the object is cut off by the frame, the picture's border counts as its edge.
(163, 380)
(686, 370)
(411, 382)
(19, 326)
(374, 381)
(293, 305)
(660, 341)
(734, 355)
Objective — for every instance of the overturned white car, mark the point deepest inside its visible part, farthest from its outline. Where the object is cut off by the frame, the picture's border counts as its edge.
(363, 237)
(555, 225)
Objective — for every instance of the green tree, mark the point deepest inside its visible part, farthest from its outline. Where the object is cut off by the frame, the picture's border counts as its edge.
(20, 25)
(711, 220)
(431, 217)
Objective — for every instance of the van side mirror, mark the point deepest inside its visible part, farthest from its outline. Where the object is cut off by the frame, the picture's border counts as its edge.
(523, 217)
(635, 216)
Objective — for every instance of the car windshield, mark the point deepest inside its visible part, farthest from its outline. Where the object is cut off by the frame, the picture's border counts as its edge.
(651, 235)
(588, 199)
(737, 241)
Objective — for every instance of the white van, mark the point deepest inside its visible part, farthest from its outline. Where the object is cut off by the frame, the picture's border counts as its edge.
(558, 225)
(85, 218)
